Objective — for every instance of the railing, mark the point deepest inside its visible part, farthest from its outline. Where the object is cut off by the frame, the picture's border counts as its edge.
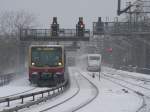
(44, 34)
(6, 78)
(50, 93)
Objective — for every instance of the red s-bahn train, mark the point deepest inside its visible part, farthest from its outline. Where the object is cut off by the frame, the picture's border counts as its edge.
(46, 64)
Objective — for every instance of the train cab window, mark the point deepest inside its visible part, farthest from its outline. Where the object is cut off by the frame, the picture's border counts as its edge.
(46, 57)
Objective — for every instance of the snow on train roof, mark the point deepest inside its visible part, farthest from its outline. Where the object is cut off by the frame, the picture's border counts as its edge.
(94, 55)
(46, 46)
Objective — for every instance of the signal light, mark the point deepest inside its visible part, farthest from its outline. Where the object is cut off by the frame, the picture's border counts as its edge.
(109, 49)
(100, 26)
(80, 27)
(54, 20)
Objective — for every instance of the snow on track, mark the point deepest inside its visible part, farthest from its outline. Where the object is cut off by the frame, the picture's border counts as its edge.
(17, 87)
(85, 95)
(112, 98)
(136, 87)
(144, 92)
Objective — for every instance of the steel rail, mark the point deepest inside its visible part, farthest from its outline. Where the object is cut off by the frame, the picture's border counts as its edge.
(80, 106)
(92, 99)
(126, 81)
(137, 92)
(75, 94)
(134, 77)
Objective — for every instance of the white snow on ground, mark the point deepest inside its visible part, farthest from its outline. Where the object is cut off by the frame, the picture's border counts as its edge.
(85, 90)
(72, 90)
(111, 97)
(18, 85)
(137, 78)
(139, 75)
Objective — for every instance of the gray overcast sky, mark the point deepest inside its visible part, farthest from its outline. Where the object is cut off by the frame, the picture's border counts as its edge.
(67, 11)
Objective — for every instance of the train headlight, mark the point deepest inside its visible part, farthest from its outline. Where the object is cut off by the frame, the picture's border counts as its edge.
(59, 63)
(33, 63)
(81, 26)
(35, 73)
(59, 73)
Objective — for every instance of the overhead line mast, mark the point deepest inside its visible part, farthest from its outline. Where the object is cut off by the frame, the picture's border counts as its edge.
(119, 11)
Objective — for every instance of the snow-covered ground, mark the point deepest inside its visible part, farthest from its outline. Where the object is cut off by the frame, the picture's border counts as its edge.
(111, 97)
(20, 85)
(121, 72)
(78, 85)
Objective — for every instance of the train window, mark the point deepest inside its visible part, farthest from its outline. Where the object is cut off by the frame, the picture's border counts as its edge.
(46, 56)
(94, 58)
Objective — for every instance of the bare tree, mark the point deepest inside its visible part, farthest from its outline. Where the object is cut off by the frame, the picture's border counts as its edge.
(11, 22)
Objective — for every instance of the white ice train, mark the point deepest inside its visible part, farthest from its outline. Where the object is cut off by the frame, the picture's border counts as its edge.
(94, 62)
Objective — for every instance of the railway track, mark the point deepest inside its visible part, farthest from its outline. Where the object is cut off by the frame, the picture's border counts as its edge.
(92, 98)
(74, 97)
(132, 77)
(140, 81)
(64, 101)
(139, 90)
(127, 82)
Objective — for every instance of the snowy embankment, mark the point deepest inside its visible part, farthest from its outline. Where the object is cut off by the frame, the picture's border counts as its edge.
(125, 73)
(112, 98)
(80, 92)
(136, 81)
(19, 85)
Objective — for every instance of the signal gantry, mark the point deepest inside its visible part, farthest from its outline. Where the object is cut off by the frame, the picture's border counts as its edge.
(56, 34)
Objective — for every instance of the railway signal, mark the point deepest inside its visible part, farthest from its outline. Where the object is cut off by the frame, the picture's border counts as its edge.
(109, 50)
(80, 27)
(100, 26)
(54, 33)
(54, 27)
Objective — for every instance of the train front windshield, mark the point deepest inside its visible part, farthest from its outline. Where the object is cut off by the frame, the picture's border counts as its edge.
(94, 58)
(46, 56)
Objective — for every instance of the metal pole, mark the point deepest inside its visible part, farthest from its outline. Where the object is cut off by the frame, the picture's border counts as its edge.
(119, 7)
(99, 68)
(99, 74)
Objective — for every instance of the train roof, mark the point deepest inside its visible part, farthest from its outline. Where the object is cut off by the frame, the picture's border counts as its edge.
(94, 55)
(46, 46)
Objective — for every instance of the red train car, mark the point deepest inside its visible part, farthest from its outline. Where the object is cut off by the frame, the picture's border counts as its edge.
(46, 64)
